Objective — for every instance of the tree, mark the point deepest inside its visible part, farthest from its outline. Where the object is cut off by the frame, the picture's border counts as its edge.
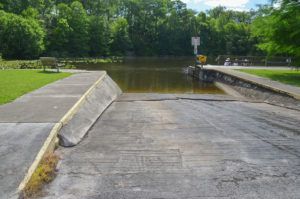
(79, 22)
(59, 32)
(99, 36)
(17, 6)
(278, 29)
(30, 12)
(19, 37)
(69, 32)
(120, 37)
(153, 27)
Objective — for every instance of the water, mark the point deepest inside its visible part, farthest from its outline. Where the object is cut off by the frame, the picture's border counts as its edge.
(154, 75)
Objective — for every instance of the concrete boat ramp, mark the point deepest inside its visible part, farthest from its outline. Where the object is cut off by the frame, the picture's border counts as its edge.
(163, 146)
(154, 145)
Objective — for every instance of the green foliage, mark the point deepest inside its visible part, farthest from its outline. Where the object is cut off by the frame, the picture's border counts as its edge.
(20, 64)
(20, 37)
(30, 13)
(68, 32)
(36, 64)
(59, 38)
(99, 36)
(228, 32)
(278, 29)
(79, 22)
(120, 37)
(70, 61)
(177, 30)
(75, 28)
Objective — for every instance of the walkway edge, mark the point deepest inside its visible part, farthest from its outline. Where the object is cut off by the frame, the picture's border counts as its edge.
(272, 88)
(49, 144)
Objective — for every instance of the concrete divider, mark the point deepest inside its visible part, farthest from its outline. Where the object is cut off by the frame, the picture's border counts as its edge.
(250, 86)
(79, 118)
(274, 86)
(93, 105)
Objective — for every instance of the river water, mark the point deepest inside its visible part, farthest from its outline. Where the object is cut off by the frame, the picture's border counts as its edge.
(154, 75)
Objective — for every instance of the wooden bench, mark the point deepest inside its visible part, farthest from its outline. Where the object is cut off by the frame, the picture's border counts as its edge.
(50, 62)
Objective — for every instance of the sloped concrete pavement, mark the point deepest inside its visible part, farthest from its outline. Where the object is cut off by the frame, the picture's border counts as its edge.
(179, 146)
(26, 123)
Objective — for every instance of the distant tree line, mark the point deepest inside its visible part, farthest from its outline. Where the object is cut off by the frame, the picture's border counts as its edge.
(73, 28)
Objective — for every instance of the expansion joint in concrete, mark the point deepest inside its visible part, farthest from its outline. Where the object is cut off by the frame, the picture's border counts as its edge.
(177, 99)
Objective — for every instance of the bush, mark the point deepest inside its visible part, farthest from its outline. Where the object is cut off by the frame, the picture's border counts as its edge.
(29, 64)
(20, 37)
(20, 64)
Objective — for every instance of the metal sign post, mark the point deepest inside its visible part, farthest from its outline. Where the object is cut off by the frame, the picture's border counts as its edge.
(195, 49)
(195, 43)
(200, 59)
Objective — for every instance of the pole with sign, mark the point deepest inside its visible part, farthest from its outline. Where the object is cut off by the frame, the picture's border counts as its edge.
(195, 43)
(200, 59)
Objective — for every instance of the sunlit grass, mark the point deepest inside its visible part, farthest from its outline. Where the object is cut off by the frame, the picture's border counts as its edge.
(291, 77)
(15, 83)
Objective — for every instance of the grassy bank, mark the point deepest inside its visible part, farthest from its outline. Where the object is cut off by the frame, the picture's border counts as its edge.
(291, 77)
(15, 83)
(91, 60)
(67, 63)
(20, 64)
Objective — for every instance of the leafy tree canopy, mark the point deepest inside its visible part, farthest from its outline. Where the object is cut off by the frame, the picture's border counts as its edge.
(77, 28)
(20, 37)
(278, 29)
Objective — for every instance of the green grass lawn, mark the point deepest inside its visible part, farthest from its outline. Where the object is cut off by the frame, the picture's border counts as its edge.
(15, 83)
(291, 77)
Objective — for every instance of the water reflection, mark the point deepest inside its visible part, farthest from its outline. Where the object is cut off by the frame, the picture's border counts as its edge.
(154, 75)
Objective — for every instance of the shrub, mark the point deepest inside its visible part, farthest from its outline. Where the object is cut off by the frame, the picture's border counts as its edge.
(20, 64)
(20, 37)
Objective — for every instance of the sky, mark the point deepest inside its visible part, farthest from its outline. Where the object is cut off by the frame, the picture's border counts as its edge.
(203, 5)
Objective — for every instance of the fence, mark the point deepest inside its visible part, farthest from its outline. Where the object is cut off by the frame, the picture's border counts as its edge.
(253, 60)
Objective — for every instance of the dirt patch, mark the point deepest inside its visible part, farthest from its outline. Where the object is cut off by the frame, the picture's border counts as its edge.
(43, 175)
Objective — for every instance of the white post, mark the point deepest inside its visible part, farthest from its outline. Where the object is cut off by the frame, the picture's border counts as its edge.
(195, 43)
(195, 49)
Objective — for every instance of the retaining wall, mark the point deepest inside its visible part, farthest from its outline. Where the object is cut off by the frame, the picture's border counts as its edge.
(249, 89)
(95, 103)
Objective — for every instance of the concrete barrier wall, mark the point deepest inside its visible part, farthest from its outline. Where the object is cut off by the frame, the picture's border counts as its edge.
(204, 75)
(248, 89)
(102, 95)
(257, 92)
